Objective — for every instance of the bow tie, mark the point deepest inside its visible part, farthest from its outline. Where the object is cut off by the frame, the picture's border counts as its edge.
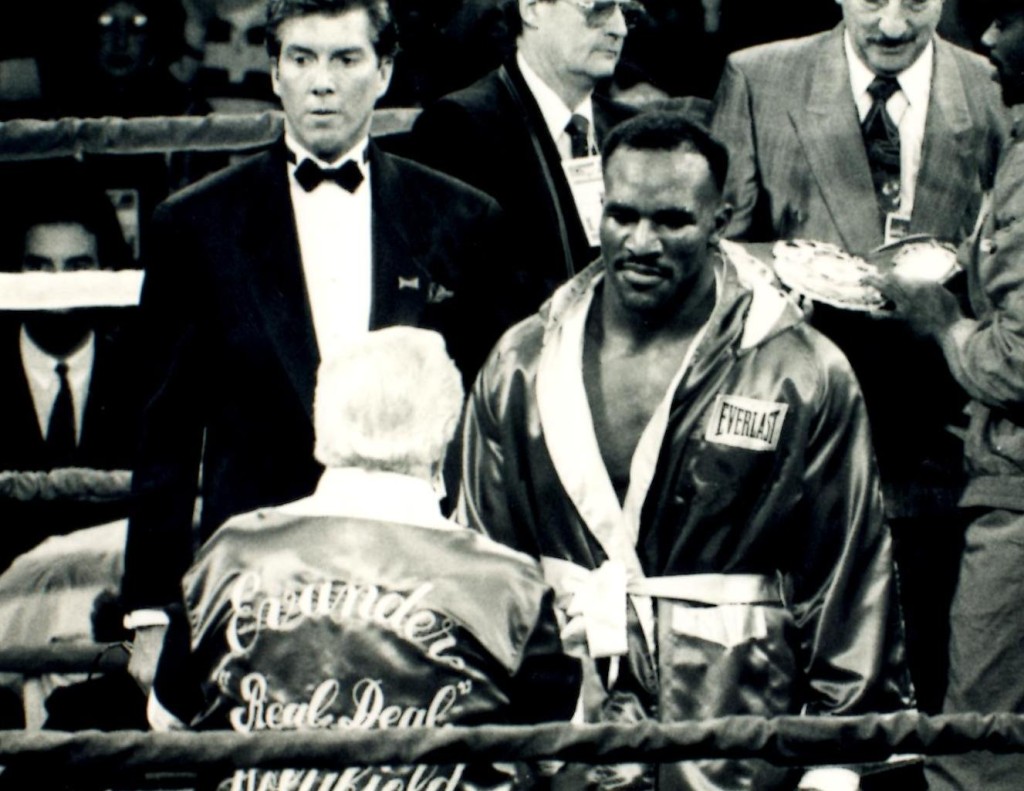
(309, 175)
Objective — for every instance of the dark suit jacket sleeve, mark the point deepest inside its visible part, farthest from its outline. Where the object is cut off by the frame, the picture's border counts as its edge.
(485, 309)
(166, 473)
(733, 124)
(547, 685)
(446, 137)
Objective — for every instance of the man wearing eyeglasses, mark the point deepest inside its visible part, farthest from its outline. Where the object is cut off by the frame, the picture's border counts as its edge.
(528, 134)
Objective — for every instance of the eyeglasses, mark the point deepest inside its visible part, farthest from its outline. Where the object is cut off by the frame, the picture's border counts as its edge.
(598, 12)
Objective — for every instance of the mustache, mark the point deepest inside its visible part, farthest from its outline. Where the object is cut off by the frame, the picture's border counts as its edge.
(887, 41)
(644, 261)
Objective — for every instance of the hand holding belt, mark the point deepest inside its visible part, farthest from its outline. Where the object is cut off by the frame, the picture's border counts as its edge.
(599, 596)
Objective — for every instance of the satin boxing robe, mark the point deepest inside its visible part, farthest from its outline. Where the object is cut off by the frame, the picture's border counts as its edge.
(751, 543)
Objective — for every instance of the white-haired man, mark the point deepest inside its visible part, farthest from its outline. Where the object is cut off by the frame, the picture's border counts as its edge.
(360, 605)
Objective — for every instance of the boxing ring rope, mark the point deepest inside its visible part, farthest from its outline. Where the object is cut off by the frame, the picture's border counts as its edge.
(788, 740)
(27, 139)
(78, 656)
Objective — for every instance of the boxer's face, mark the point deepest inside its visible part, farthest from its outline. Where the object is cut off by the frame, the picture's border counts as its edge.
(662, 215)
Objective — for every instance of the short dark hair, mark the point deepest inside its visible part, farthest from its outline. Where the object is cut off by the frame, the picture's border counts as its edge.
(667, 130)
(61, 192)
(385, 42)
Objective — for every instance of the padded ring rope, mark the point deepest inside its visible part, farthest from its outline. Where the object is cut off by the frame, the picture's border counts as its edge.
(789, 740)
(63, 657)
(26, 139)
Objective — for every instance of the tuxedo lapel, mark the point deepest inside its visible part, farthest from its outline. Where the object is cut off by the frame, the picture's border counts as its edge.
(829, 131)
(945, 180)
(401, 281)
(272, 266)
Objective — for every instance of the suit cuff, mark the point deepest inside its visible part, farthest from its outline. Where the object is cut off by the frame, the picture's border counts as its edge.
(137, 619)
(160, 718)
(830, 778)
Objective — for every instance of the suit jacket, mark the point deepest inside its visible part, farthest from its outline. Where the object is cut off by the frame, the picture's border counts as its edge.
(798, 167)
(106, 442)
(492, 135)
(234, 352)
(107, 438)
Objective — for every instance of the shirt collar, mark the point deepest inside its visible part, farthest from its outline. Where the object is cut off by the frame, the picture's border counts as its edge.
(556, 114)
(42, 364)
(372, 494)
(359, 153)
(915, 80)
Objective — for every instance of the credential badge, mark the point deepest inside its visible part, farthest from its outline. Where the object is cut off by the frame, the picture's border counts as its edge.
(747, 423)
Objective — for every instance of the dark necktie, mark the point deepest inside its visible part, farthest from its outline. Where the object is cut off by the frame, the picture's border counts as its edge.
(310, 175)
(60, 434)
(882, 142)
(579, 140)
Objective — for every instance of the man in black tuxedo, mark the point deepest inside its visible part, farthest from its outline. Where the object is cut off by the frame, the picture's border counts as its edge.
(259, 272)
(510, 133)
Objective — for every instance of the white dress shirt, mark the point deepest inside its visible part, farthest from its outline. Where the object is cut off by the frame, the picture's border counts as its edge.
(908, 108)
(334, 230)
(556, 114)
(44, 383)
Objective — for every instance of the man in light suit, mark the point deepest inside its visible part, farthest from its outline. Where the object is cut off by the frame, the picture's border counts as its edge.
(791, 114)
(261, 271)
(799, 168)
(508, 133)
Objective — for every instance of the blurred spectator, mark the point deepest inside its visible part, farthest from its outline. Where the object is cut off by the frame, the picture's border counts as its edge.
(671, 46)
(446, 45)
(113, 57)
(69, 400)
(234, 73)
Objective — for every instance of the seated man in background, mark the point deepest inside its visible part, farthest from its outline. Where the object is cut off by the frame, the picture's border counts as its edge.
(691, 464)
(68, 399)
(361, 600)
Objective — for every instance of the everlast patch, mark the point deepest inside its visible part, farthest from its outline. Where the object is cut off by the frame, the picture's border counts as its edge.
(746, 423)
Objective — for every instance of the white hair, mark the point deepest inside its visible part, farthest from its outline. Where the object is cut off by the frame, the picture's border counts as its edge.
(390, 401)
